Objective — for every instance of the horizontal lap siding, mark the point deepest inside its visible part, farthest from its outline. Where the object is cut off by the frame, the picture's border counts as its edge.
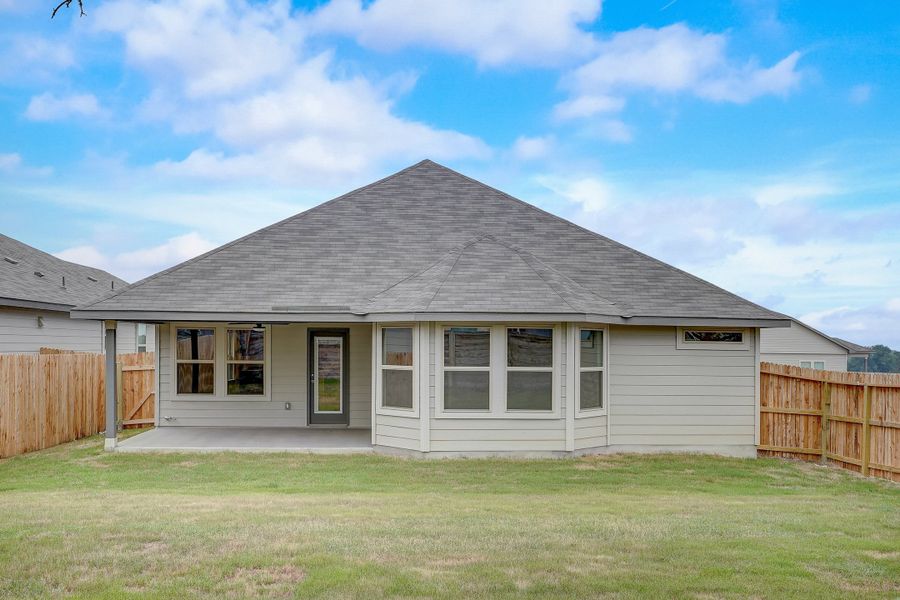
(288, 383)
(398, 432)
(660, 395)
(833, 362)
(20, 334)
(590, 432)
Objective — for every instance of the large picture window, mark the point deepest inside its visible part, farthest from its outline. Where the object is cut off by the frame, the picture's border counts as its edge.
(397, 365)
(529, 368)
(245, 361)
(195, 360)
(467, 368)
(591, 369)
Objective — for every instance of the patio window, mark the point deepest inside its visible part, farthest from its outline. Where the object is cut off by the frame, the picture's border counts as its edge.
(245, 358)
(467, 368)
(529, 368)
(195, 360)
(591, 369)
(397, 367)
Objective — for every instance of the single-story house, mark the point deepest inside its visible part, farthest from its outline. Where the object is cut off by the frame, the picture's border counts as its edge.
(37, 291)
(803, 346)
(441, 316)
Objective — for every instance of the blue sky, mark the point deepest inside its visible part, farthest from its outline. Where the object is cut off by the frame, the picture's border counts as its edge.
(752, 143)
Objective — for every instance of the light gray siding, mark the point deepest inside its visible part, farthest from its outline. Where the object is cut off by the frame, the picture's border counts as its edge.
(664, 396)
(590, 432)
(791, 345)
(288, 384)
(126, 338)
(20, 333)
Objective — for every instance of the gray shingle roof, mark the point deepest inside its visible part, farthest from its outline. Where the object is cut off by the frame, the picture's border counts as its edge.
(428, 239)
(851, 347)
(20, 282)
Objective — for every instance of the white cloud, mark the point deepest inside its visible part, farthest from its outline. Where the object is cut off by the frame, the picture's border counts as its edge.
(591, 194)
(863, 324)
(587, 106)
(671, 60)
(532, 148)
(893, 305)
(533, 32)
(10, 162)
(137, 264)
(780, 193)
(237, 70)
(860, 94)
(48, 107)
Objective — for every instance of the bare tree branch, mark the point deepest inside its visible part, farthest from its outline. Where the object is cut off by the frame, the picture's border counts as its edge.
(67, 4)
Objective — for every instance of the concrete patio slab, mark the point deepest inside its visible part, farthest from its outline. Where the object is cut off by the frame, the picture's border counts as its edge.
(249, 439)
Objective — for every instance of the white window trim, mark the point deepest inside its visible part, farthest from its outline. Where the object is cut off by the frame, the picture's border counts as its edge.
(497, 374)
(681, 344)
(220, 384)
(379, 340)
(591, 412)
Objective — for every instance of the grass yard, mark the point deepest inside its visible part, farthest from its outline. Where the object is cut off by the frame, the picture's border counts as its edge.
(78, 522)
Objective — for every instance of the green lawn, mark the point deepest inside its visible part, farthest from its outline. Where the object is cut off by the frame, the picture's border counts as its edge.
(78, 522)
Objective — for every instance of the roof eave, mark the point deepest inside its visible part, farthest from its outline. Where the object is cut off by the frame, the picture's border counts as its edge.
(20, 303)
(395, 317)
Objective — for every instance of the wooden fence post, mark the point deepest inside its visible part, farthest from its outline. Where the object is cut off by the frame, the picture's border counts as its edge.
(120, 400)
(826, 410)
(867, 416)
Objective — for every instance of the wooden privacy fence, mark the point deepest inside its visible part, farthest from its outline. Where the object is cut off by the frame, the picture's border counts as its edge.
(54, 397)
(849, 419)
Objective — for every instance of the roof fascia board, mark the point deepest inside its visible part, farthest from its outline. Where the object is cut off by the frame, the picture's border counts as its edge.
(167, 316)
(17, 303)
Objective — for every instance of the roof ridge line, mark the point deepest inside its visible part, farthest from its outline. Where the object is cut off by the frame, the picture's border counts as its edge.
(174, 268)
(459, 249)
(530, 254)
(594, 233)
(449, 272)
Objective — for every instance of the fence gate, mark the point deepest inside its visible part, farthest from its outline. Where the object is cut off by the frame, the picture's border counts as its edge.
(136, 393)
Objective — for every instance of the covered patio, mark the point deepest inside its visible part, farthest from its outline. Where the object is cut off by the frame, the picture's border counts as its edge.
(250, 439)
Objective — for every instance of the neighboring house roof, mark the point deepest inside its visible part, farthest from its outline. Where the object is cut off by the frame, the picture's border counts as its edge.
(426, 241)
(34, 279)
(853, 349)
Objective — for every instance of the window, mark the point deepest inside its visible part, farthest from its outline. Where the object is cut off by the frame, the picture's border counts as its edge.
(701, 338)
(467, 368)
(529, 368)
(808, 364)
(819, 365)
(195, 354)
(397, 367)
(141, 337)
(729, 337)
(245, 357)
(590, 369)
(805, 364)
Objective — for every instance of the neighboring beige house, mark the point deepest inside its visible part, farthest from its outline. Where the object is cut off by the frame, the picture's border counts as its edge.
(429, 313)
(802, 346)
(37, 291)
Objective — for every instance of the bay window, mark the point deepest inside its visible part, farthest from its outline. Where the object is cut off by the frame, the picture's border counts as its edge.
(467, 368)
(590, 369)
(529, 368)
(397, 366)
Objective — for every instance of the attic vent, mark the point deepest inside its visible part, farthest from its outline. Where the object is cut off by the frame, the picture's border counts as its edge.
(38, 274)
(94, 279)
(112, 285)
(11, 261)
(64, 281)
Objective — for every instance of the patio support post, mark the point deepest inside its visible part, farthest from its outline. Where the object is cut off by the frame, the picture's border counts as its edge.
(110, 374)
